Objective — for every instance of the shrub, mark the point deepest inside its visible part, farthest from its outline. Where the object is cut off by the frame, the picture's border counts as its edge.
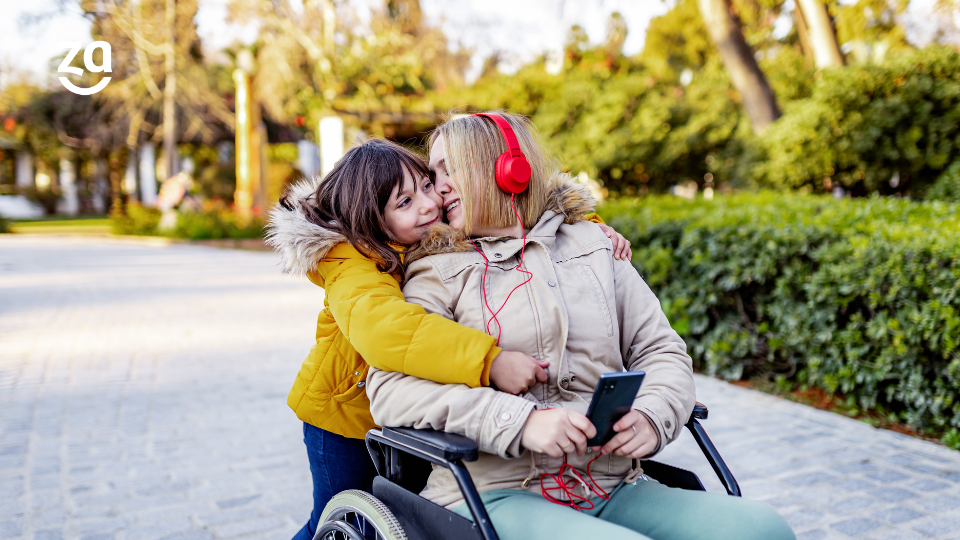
(4, 225)
(857, 297)
(947, 186)
(215, 220)
(46, 198)
(134, 220)
(883, 128)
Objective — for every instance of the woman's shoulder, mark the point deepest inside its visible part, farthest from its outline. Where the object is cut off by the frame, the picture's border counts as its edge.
(579, 238)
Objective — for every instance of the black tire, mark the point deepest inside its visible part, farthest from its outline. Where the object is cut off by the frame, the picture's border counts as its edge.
(357, 515)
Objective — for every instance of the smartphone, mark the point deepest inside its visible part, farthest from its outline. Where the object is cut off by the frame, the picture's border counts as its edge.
(612, 399)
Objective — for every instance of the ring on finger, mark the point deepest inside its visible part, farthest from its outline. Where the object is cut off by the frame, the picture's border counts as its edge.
(565, 446)
(634, 430)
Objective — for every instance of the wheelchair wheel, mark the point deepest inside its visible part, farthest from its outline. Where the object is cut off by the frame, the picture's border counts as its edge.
(357, 515)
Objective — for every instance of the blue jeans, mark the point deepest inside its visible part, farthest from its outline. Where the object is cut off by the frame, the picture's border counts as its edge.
(337, 464)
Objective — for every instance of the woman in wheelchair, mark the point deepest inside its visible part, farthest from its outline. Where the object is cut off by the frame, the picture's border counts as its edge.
(517, 262)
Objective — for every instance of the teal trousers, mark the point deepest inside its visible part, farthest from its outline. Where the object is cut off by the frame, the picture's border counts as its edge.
(646, 510)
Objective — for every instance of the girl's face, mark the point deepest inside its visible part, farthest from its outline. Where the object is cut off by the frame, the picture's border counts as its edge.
(450, 200)
(413, 206)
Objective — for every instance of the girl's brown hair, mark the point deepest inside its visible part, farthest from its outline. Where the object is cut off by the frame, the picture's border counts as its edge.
(472, 145)
(351, 198)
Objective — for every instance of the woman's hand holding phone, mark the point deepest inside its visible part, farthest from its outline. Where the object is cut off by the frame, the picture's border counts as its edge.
(515, 372)
(556, 432)
(635, 438)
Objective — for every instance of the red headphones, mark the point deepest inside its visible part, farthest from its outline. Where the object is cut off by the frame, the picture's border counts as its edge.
(513, 171)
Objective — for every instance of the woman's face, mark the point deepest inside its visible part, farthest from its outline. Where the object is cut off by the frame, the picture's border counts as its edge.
(413, 206)
(450, 200)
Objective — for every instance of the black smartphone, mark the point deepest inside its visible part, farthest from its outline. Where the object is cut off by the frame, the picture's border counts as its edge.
(612, 399)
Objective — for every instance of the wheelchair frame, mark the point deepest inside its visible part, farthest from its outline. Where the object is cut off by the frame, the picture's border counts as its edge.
(402, 457)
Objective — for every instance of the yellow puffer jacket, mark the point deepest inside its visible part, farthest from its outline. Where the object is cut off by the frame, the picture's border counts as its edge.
(365, 320)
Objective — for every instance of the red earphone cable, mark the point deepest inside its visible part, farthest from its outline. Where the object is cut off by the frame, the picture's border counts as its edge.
(483, 281)
(567, 486)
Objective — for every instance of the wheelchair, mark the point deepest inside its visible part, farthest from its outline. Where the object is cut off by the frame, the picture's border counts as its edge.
(403, 458)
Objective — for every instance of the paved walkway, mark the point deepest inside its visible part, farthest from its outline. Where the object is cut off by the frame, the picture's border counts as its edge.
(142, 396)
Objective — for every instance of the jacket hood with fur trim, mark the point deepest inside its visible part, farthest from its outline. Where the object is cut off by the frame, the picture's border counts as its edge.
(302, 244)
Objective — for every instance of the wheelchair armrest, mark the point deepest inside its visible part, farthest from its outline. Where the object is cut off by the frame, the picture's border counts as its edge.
(444, 446)
(700, 411)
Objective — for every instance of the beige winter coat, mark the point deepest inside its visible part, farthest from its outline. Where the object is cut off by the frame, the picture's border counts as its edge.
(584, 311)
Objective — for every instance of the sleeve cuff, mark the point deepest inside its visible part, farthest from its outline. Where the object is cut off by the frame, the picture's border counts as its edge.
(594, 217)
(661, 417)
(502, 424)
(487, 364)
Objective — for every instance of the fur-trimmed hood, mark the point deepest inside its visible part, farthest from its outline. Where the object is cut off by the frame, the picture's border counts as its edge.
(570, 199)
(300, 242)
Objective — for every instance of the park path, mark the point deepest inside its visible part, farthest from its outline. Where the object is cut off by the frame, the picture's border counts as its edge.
(142, 396)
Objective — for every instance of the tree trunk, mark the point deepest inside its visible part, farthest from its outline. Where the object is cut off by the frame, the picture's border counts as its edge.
(170, 151)
(803, 32)
(823, 38)
(727, 32)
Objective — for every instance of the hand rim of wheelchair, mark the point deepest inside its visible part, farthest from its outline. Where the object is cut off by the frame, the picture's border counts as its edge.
(356, 514)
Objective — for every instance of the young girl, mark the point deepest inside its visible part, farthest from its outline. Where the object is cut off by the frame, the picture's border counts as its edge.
(589, 315)
(347, 233)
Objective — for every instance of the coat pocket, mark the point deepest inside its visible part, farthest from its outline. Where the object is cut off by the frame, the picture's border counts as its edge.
(351, 378)
(591, 277)
(340, 371)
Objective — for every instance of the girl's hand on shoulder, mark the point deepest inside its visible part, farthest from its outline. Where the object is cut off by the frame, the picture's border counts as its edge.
(621, 246)
(636, 437)
(515, 373)
(556, 432)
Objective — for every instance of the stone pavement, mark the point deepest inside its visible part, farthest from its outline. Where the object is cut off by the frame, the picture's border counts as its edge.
(142, 396)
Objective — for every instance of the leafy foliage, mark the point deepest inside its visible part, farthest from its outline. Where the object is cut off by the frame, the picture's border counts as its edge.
(214, 219)
(857, 297)
(947, 186)
(888, 128)
(134, 219)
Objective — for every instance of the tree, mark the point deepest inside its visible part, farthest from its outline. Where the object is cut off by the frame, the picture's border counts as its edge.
(821, 36)
(155, 44)
(726, 30)
(319, 60)
(870, 29)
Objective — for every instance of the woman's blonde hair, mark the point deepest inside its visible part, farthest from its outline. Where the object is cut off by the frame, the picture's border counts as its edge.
(472, 145)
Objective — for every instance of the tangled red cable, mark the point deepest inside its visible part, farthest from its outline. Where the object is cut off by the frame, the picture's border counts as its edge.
(483, 280)
(567, 486)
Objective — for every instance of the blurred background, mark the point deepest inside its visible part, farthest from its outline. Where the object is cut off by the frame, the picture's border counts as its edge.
(638, 97)
(787, 170)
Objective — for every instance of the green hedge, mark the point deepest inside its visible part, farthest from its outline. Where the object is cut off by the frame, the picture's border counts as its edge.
(213, 220)
(859, 297)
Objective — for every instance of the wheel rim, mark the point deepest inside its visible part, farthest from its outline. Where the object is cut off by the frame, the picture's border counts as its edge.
(355, 523)
(338, 530)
